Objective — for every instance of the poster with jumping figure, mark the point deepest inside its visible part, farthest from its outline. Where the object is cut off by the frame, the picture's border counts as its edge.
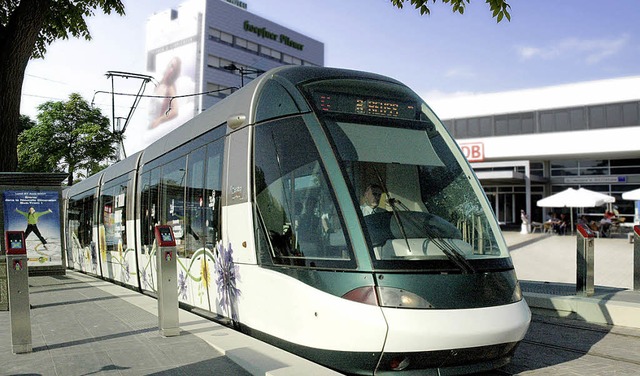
(37, 213)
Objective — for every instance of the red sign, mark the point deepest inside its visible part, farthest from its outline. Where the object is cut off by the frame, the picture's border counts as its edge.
(474, 152)
(164, 236)
(15, 243)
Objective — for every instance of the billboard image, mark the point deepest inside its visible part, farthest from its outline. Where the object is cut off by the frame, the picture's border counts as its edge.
(173, 39)
(37, 213)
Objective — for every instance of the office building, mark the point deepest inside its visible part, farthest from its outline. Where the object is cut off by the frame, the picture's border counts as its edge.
(212, 47)
(528, 144)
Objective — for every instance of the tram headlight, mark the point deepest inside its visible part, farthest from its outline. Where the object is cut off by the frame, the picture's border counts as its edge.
(399, 298)
(387, 297)
(365, 294)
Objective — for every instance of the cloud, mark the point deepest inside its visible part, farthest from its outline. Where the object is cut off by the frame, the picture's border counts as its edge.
(459, 72)
(591, 51)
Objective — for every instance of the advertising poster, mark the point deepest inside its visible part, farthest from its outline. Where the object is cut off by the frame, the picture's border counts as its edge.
(172, 45)
(37, 213)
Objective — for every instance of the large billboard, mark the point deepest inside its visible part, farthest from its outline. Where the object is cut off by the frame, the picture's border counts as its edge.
(172, 44)
(37, 213)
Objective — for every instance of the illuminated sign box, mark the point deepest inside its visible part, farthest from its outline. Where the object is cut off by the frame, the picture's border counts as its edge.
(474, 152)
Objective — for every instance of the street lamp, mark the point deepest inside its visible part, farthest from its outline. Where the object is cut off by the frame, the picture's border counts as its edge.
(243, 71)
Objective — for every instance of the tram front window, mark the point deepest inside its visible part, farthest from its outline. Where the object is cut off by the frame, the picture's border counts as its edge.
(294, 202)
(426, 209)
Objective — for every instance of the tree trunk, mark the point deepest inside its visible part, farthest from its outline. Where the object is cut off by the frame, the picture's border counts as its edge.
(17, 41)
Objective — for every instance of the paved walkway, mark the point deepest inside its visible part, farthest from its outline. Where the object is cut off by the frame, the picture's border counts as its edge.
(85, 326)
(546, 267)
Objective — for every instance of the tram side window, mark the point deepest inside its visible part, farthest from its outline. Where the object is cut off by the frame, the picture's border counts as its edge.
(81, 220)
(194, 218)
(172, 199)
(113, 215)
(148, 208)
(294, 201)
(213, 192)
(204, 183)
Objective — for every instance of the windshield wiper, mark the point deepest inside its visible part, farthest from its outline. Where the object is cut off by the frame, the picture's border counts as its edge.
(394, 210)
(450, 250)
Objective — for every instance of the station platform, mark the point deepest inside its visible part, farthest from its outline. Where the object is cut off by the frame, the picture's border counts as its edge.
(86, 326)
(546, 267)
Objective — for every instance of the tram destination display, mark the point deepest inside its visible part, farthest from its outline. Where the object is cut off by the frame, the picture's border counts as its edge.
(360, 105)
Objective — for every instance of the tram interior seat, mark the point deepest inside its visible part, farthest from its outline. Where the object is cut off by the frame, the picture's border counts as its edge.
(389, 237)
(307, 229)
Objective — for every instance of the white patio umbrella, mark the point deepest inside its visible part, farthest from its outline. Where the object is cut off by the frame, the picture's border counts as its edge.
(632, 195)
(576, 198)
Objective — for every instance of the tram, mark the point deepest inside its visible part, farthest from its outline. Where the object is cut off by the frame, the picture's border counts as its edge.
(322, 210)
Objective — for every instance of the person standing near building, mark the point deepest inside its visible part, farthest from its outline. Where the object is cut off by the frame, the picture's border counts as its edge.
(32, 222)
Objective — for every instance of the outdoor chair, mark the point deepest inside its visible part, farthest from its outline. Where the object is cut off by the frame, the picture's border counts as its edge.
(537, 226)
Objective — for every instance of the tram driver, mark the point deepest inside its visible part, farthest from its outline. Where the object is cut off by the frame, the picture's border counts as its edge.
(371, 200)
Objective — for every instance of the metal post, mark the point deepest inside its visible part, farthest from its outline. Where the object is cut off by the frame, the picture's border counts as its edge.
(584, 261)
(168, 320)
(18, 291)
(636, 258)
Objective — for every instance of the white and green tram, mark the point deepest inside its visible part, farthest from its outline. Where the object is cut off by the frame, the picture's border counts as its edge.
(264, 192)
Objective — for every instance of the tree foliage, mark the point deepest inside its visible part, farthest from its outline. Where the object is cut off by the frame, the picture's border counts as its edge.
(25, 123)
(27, 27)
(499, 8)
(69, 137)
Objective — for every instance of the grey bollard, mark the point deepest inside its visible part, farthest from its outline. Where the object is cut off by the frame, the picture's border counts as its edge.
(18, 292)
(584, 261)
(168, 319)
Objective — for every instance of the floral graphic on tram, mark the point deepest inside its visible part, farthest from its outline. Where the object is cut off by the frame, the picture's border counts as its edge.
(205, 275)
(226, 274)
(182, 286)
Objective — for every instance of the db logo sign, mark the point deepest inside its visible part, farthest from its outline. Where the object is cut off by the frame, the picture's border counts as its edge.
(473, 152)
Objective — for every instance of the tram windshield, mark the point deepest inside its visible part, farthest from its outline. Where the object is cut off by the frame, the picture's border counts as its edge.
(418, 205)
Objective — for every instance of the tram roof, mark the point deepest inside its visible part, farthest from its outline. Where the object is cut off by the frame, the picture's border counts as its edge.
(243, 102)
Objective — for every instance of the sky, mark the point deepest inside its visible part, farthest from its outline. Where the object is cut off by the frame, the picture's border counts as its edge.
(441, 55)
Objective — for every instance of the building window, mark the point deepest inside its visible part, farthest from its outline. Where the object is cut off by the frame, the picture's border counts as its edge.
(576, 117)
(462, 128)
(247, 45)
(547, 122)
(218, 91)
(597, 117)
(564, 168)
(630, 114)
(220, 36)
(614, 115)
(625, 167)
(448, 124)
(594, 167)
(217, 62)
(514, 124)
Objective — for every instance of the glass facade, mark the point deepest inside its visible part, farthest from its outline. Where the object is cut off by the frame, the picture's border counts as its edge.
(625, 114)
(609, 176)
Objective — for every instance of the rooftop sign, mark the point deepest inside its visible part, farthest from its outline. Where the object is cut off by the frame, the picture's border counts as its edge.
(238, 3)
(264, 33)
